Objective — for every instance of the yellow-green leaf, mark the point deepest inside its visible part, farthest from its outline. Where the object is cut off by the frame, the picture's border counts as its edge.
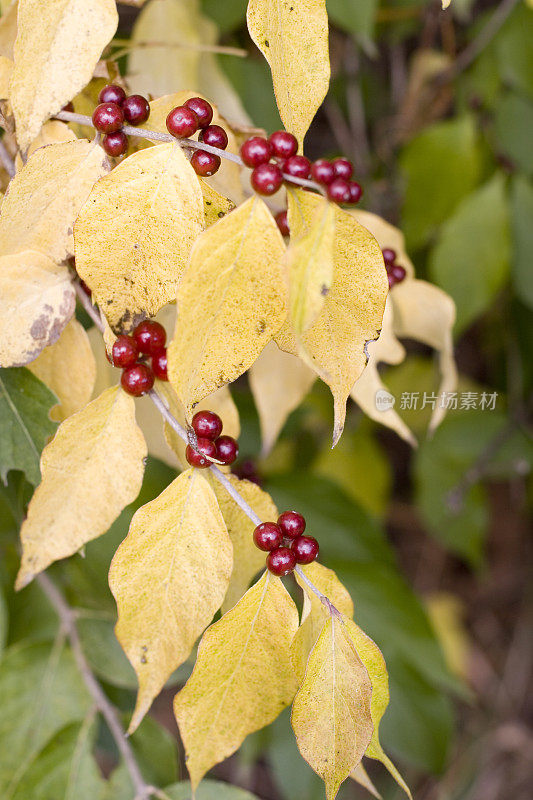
(91, 470)
(242, 679)
(216, 205)
(169, 577)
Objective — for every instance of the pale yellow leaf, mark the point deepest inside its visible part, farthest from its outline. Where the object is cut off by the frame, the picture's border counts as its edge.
(446, 3)
(37, 299)
(231, 302)
(169, 577)
(387, 235)
(68, 368)
(293, 38)
(6, 68)
(447, 612)
(216, 205)
(242, 679)
(46, 196)
(360, 776)
(8, 29)
(91, 470)
(53, 132)
(57, 48)
(135, 232)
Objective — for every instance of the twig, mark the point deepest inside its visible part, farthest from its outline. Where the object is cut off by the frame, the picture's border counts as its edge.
(127, 46)
(6, 160)
(356, 110)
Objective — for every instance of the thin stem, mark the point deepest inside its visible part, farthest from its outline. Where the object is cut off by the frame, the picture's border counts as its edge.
(127, 46)
(91, 310)
(7, 161)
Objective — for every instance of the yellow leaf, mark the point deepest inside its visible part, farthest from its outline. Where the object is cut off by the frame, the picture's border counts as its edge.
(57, 48)
(216, 205)
(37, 300)
(68, 368)
(169, 577)
(387, 236)
(91, 470)
(360, 776)
(446, 613)
(293, 38)
(135, 232)
(46, 196)
(53, 132)
(231, 302)
(331, 711)
(242, 678)
(6, 68)
(8, 29)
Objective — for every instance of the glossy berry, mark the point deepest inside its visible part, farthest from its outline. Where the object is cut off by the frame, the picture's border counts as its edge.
(356, 192)
(112, 94)
(204, 164)
(292, 524)
(297, 167)
(227, 449)
(150, 337)
(136, 109)
(255, 151)
(395, 274)
(108, 118)
(322, 171)
(266, 179)
(115, 144)
(281, 561)
(207, 425)
(282, 223)
(305, 549)
(342, 168)
(137, 380)
(182, 122)
(124, 352)
(389, 256)
(268, 536)
(284, 144)
(215, 136)
(339, 191)
(197, 456)
(202, 109)
(159, 365)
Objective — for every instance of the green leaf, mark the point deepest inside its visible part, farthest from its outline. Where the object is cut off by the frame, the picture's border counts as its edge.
(513, 123)
(25, 426)
(515, 54)
(103, 652)
(228, 15)
(522, 229)
(354, 16)
(208, 790)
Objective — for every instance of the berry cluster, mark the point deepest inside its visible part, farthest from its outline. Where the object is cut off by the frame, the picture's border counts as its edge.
(196, 115)
(285, 543)
(209, 443)
(115, 110)
(395, 272)
(130, 353)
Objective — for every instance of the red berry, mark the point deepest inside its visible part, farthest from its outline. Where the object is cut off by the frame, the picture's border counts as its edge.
(305, 549)
(297, 167)
(159, 365)
(124, 352)
(322, 171)
(292, 524)
(182, 122)
(397, 272)
(227, 449)
(268, 536)
(108, 118)
(282, 223)
(68, 107)
(202, 109)
(112, 94)
(356, 192)
(342, 168)
(389, 256)
(284, 144)
(255, 151)
(266, 178)
(204, 163)
(215, 136)
(137, 380)
(115, 144)
(136, 109)
(197, 457)
(281, 561)
(339, 191)
(150, 337)
(207, 425)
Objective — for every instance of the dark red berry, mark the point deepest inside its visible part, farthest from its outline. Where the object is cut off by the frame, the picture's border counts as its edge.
(284, 144)
(255, 151)
(397, 272)
(322, 171)
(282, 223)
(159, 365)
(227, 449)
(182, 122)
(268, 536)
(356, 192)
(215, 136)
(281, 561)
(207, 425)
(389, 256)
(124, 352)
(297, 167)
(137, 380)
(342, 168)
(339, 191)
(292, 524)
(305, 549)
(115, 144)
(204, 163)
(136, 109)
(150, 337)
(108, 118)
(197, 457)
(266, 178)
(112, 94)
(202, 109)
(68, 107)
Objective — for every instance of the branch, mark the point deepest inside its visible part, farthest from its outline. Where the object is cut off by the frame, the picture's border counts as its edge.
(7, 161)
